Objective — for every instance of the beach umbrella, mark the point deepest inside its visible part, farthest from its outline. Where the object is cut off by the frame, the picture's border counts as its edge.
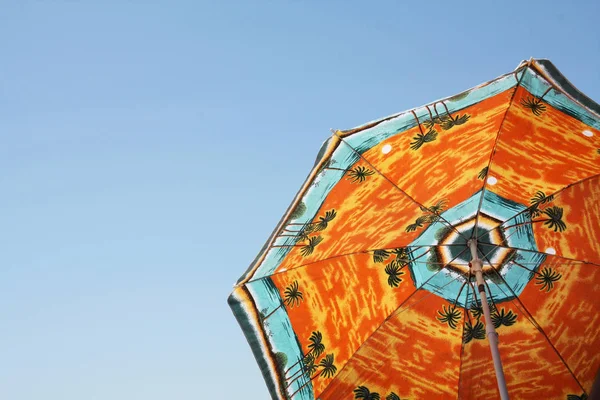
(450, 251)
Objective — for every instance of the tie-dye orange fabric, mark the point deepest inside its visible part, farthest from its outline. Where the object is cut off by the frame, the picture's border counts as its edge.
(364, 291)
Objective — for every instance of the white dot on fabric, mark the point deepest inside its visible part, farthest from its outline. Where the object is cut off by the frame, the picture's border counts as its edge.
(550, 250)
(386, 149)
(588, 133)
(492, 180)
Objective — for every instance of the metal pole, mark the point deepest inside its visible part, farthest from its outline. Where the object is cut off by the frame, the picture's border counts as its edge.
(476, 267)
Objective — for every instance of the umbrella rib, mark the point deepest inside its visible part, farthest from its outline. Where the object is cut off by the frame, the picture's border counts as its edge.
(352, 254)
(555, 194)
(397, 187)
(532, 320)
(396, 312)
(483, 188)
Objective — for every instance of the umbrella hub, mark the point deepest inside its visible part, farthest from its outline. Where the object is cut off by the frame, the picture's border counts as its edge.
(441, 254)
(453, 247)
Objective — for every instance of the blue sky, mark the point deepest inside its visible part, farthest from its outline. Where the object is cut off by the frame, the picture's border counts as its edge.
(148, 149)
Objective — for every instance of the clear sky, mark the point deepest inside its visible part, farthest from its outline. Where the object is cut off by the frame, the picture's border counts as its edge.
(147, 150)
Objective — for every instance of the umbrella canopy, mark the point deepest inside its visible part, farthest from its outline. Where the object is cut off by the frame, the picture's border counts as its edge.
(368, 289)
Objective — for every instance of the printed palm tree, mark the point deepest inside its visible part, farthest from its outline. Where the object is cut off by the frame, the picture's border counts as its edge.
(394, 271)
(449, 316)
(502, 317)
(306, 229)
(547, 278)
(483, 173)
(403, 256)
(316, 345)
(446, 121)
(308, 368)
(553, 221)
(292, 297)
(534, 104)
(450, 122)
(309, 247)
(310, 227)
(328, 370)
(477, 310)
(359, 174)
(471, 331)
(380, 256)
(403, 261)
(356, 174)
(401, 252)
(432, 213)
(438, 207)
(325, 220)
(429, 124)
(423, 138)
(309, 365)
(363, 392)
(303, 234)
(437, 119)
(418, 224)
(316, 348)
(298, 235)
(536, 201)
(541, 198)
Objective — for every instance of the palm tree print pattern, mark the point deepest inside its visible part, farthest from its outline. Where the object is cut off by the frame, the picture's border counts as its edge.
(547, 278)
(502, 317)
(449, 315)
(301, 233)
(449, 122)
(292, 297)
(423, 138)
(535, 105)
(356, 174)
(431, 215)
(394, 268)
(471, 331)
(359, 174)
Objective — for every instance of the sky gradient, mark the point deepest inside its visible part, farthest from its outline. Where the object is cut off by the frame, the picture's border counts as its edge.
(148, 149)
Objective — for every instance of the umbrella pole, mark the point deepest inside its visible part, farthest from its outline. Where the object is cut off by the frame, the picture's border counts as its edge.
(476, 267)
